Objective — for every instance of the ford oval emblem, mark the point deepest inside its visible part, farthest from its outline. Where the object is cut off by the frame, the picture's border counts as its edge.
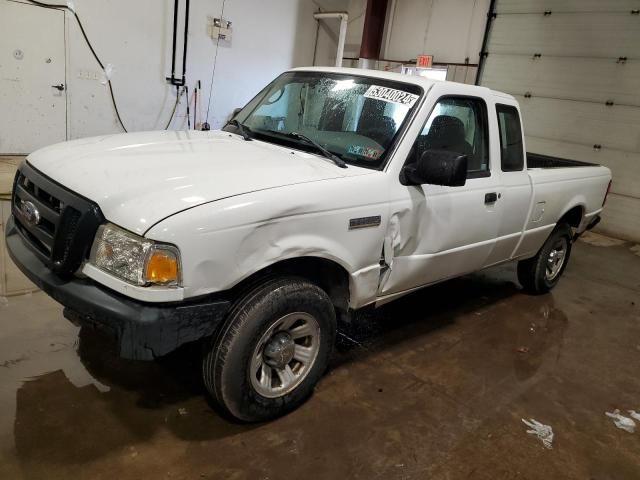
(30, 213)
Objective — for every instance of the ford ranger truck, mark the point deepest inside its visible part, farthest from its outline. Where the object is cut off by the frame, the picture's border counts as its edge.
(333, 189)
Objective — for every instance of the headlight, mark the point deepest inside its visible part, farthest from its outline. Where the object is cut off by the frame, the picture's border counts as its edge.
(135, 259)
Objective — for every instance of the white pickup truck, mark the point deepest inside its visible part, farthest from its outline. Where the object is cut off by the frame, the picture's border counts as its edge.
(333, 189)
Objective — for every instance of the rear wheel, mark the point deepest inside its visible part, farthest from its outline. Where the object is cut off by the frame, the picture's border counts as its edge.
(271, 351)
(541, 273)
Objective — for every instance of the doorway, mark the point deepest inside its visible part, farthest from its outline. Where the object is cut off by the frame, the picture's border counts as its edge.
(33, 106)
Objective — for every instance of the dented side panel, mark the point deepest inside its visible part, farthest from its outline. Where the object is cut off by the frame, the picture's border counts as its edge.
(226, 241)
(435, 233)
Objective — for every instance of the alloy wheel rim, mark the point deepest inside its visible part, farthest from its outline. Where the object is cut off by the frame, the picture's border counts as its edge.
(285, 354)
(556, 259)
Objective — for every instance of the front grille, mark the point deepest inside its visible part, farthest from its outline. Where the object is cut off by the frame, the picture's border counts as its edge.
(58, 224)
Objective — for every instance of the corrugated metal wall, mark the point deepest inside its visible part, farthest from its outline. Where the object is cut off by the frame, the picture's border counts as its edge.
(574, 66)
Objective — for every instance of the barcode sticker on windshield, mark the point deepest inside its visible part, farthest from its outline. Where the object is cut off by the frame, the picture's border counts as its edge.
(391, 95)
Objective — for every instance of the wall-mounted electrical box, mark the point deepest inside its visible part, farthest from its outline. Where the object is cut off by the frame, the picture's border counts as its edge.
(219, 29)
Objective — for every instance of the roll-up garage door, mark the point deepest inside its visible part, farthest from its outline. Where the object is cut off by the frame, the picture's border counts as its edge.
(574, 66)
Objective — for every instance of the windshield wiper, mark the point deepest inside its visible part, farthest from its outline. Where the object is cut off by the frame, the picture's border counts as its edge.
(244, 131)
(337, 160)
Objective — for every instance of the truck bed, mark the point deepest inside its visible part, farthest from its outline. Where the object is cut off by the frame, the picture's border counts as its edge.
(537, 160)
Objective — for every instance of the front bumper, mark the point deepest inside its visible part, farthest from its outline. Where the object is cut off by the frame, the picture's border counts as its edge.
(142, 331)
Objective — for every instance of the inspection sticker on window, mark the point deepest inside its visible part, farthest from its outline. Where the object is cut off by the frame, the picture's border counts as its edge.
(368, 152)
(391, 95)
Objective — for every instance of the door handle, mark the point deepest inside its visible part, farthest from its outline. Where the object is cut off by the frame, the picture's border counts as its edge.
(59, 87)
(490, 197)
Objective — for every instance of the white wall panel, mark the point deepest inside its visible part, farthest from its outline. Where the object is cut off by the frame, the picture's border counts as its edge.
(467, 19)
(583, 123)
(578, 72)
(532, 6)
(269, 37)
(409, 24)
(450, 30)
(461, 74)
(625, 166)
(580, 34)
(591, 79)
(621, 218)
(32, 59)
(135, 37)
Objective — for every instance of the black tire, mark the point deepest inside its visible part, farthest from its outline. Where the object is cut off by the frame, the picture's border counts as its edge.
(532, 272)
(228, 355)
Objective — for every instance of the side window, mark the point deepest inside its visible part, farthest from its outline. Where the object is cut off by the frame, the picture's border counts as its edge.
(458, 124)
(511, 151)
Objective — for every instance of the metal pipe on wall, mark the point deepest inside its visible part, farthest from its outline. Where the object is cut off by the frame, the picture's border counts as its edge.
(344, 19)
(175, 32)
(186, 33)
(173, 80)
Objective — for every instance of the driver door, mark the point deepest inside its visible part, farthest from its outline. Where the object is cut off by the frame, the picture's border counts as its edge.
(438, 232)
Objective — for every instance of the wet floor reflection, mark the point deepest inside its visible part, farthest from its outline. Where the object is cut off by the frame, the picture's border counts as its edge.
(57, 422)
(431, 386)
(527, 327)
(419, 375)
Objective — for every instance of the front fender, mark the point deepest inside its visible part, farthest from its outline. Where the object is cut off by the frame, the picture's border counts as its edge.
(224, 242)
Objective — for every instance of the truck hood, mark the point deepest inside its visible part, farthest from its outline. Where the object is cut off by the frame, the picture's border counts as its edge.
(138, 179)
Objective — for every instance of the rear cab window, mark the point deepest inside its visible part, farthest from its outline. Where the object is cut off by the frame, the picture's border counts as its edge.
(511, 147)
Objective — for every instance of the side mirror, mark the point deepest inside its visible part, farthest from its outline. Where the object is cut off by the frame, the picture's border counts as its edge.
(236, 111)
(437, 167)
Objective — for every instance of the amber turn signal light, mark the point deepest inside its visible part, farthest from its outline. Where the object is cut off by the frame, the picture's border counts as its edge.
(162, 268)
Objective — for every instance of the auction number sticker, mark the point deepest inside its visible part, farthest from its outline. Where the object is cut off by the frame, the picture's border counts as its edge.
(391, 95)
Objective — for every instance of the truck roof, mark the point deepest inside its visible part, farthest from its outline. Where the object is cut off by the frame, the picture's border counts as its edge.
(398, 77)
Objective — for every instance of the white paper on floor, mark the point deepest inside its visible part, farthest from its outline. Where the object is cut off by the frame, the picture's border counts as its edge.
(542, 431)
(622, 422)
(634, 414)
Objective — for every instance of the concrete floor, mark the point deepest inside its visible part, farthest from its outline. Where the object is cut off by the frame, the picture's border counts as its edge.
(431, 387)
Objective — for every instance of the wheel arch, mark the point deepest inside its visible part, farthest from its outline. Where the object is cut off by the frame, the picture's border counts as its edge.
(327, 274)
(573, 216)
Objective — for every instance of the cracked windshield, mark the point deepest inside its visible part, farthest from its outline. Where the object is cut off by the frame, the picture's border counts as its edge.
(354, 118)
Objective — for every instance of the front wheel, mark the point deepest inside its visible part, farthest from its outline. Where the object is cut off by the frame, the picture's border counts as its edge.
(271, 351)
(541, 273)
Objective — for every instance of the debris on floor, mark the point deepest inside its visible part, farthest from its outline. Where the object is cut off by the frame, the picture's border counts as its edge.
(14, 361)
(182, 411)
(634, 414)
(622, 422)
(542, 431)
